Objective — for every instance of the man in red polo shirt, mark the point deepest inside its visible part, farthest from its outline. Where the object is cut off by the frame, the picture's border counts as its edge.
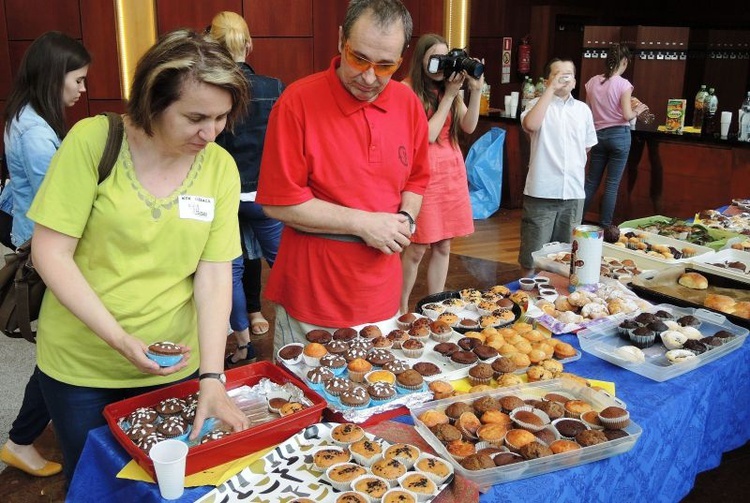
(344, 167)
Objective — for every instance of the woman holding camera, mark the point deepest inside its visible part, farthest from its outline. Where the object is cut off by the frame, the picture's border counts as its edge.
(446, 208)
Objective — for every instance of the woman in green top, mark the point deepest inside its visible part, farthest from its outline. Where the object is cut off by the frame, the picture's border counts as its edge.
(145, 256)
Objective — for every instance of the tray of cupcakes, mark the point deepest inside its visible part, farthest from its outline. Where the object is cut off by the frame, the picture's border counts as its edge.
(666, 343)
(523, 431)
(275, 401)
(335, 462)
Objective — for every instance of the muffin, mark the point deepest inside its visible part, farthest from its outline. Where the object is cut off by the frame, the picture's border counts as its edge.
(485, 352)
(507, 458)
(485, 403)
(427, 369)
(357, 369)
(441, 331)
(354, 353)
(396, 367)
(614, 418)
(382, 342)
(503, 365)
(336, 363)
(412, 348)
(352, 496)
(312, 353)
(214, 435)
(535, 450)
(446, 349)
(389, 469)
(418, 484)
(336, 385)
(142, 415)
(361, 343)
(569, 428)
(380, 376)
(370, 332)
(591, 437)
(554, 410)
(347, 433)
(405, 320)
(172, 427)
(355, 397)
(625, 327)
(290, 408)
(329, 456)
(150, 440)
(405, 453)
(345, 334)
(517, 438)
(591, 419)
(365, 451)
(481, 373)
(291, 354)
(141, 430)
(380, 356)
(440, 389)
(433, 417)
(165, 353)
(615, 434)
(510, 402)
(562, 445)
(477, 462)
(493, 433)
(464, 358)
(448, 318)
(495, 417)
(468, 343)
(170, 407)
(446, 433)
(419, 332)
(342, 475)
(454, 410)
(410, 380)
(459, 449)
(337, 347)
(468, 324)
(317, 376)
(372, 486)
(397, 337)
(434, 468)
(564, 350)
(319, 335)
(468, 424)
(381, 392)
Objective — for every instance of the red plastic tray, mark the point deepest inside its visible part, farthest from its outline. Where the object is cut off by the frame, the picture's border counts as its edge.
(237, 445)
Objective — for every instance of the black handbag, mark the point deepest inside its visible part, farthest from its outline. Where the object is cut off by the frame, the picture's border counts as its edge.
(21, 287)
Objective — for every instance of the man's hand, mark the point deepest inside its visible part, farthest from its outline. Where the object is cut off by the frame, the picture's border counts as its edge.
(388, 232)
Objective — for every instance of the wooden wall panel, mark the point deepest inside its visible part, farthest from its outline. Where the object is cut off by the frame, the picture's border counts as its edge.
(430, 17)
(99, 106)
(278, 18)
(657, 81)
(100, 38)
(27, 19)
(6, 75)
(288, 59)
(327, 17)
(173, 14)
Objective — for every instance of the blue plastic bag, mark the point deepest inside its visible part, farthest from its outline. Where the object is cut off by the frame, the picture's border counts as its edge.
(484, 168)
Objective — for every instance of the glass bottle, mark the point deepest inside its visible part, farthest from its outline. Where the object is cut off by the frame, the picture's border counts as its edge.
(710, 108)
(698, 110)
(540, 87)
(744, 120)
(527, 92)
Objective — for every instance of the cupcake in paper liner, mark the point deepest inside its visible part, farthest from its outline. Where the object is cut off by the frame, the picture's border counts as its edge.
(317, 377)
(388, 469)
(357, 369)
(530, 418)
(614, 418)
(405, 453)
(418, 483)
(355, 397)
(366, 451)
(454, 305)
(642, 337)
(432, 310)
(410, 380)
(404, 321)
(291, 354)
(328, 456)
(381, 392)
(450, 319)
(341, 475)
(400, 494)
(412, 348)
(312, 354)
(440, 331)
(436, 469)
(370, 486)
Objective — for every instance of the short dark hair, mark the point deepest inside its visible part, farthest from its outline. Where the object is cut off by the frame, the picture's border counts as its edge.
(548, 67)
(41, 77)
(386, 12)
(176, 57)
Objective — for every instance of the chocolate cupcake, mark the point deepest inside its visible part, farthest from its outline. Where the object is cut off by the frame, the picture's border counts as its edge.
(724, 335)
(507, 458)
(485, 352)
(468, 343)
(464, 357)
(615, 434)
(426, 369)
(625, 327)
(380, 357)
(446, 349)
(695, 346)
(481, 373)
(504, 365)
(569, 428)
(396, 366)
(410, 380)
(345, 334)
(318, 335)
(370, 332)
(381, 391)
(355, 397)
(712, 342)
(645, 318)
(336, 347)
(663, 315)
(642, 337)
(689, 321)
(397, 337)
(658, 326)
(335, 362)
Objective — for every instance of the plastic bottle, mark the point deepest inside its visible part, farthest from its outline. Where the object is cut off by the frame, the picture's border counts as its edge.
(743, 133)
(698, 111)
(540, 87)
(710, 108)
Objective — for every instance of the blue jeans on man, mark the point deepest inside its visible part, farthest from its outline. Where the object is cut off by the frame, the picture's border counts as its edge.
(611, 153)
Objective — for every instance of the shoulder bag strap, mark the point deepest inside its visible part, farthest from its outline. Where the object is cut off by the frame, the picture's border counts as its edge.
(112, 147)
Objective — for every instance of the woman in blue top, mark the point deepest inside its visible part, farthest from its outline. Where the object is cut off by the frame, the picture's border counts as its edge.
(51, 77)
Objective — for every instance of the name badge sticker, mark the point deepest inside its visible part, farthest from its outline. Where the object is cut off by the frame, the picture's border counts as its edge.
(196, 208)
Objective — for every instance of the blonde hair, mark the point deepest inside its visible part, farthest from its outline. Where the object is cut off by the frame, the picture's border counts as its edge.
(231, 31)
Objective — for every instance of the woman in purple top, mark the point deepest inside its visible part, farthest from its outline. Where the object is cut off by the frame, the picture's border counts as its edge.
(609, 95)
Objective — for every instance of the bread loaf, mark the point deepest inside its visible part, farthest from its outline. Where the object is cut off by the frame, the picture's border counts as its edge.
(722, 303)
(693, 280)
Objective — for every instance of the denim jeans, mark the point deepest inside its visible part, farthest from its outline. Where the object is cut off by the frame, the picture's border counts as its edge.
(260, 236)
(75, 410)
(611, 153)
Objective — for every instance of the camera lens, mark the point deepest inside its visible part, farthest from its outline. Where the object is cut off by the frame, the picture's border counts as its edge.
(473, 67)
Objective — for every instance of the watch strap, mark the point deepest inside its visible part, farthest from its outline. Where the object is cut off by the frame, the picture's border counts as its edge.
(407, 215)
(213, 375)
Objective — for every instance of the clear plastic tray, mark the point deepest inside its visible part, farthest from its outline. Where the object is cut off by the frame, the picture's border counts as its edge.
(543, 258)
(718, 237)
(602, 340)
(645, 261)
(491, 476)
(730, 255)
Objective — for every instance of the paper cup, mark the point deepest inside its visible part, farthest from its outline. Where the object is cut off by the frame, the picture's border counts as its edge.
(169, 458)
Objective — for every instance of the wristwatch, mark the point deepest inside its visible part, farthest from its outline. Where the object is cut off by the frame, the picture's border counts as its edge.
(412, 223)
(214, 375)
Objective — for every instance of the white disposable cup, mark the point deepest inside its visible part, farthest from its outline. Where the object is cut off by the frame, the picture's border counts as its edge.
(514, 98)
(169, 457)
(724, 129)
(726, 120)
(508, 100)
(586, 250)
(513, 109)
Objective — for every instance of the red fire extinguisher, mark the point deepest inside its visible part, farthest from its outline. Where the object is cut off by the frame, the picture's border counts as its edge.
(524, 56)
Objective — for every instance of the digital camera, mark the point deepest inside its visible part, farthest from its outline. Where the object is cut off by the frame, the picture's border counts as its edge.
(455, 61)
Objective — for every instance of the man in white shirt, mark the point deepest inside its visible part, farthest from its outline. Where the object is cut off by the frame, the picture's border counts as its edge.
(562, 132)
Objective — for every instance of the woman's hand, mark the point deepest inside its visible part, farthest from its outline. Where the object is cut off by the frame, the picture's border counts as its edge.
(640, 108)
(134, 350)
(453, 84)
(213, 401)
(475, 85)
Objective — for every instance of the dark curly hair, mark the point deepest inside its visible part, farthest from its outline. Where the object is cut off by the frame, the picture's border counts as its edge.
(615, 54)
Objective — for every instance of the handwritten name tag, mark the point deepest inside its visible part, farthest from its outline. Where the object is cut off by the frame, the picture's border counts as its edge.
(196, 208)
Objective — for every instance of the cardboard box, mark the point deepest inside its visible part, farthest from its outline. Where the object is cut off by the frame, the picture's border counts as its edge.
(236, 445)
(675, 115)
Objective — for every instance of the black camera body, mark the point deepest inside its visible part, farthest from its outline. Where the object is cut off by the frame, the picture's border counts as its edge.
(457, 60)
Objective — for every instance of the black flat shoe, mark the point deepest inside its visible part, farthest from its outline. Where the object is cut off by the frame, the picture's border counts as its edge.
(250, 358)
